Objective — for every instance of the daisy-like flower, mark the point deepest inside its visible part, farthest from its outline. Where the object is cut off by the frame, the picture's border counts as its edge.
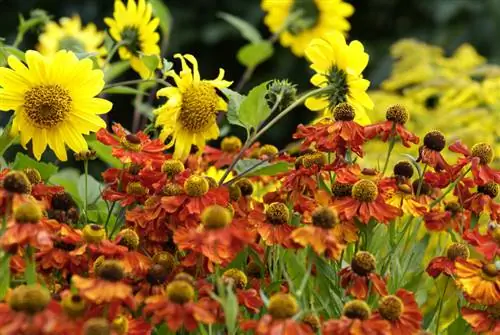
(484, 200)
(272, 223)
(189, 115)
(356, 320)
(135, 28)
(279, 318)
(480, 281)
(479, 156)
(366, 203)
(54, 101)
(357, 277)
(70, 35)
(396, 116)
(430, 152)
(132, 148)
(404, 199)
(487, 244)
(485, 322)
(250, 298)
(338, 136)
(178, 308)
(401, 311)
(339, 68)
(453, 216)
(446, 264)
(316, 18)
(26, 229)
(15, 189)
(107, 287)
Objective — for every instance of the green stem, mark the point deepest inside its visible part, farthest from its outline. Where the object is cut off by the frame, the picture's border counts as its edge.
(136, 81)
(85, 200)
(6, 139)
(441, 305)
(391, 147)
(449, 189)
(30, 271)
(109, 217)
(421, 181)
(271, 123)
(112, 52)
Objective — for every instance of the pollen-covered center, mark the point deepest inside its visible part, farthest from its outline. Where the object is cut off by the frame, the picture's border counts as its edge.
(365, 190)
(236, 277)
(180, 291)
(456, 250)
(172, 167)
(490, 189)
(231, 144)
(282, 306)
(28, 212)
(277, 213)
(111, 270)
(215, 217)
(131, 142)
(397, 113)
(341, 190)
(344, 112)
(324, 217)
(46, 106)
(196, 186)
(356, 309)
(391, 307)
(129, 239)
(314, 159)
(483, 151)
(435, 140)
(363, 263)
(72, 44)
(199, 107)
(490, 272)
(403, 169)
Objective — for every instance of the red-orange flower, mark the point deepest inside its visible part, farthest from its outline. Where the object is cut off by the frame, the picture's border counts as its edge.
(446, 264)
(357, 277)
(479, 157)
(250, 298)
(132, 148)
(488, 244)
(484, 201)
(453, 216)
(401, 311)
(230, 146)
(366, 203)
(480, 281)
(177, 309)
(272, 223)
(485, 322)
(430, 152)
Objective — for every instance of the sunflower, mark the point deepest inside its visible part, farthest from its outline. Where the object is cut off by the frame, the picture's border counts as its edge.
(53, 101)
(339, 68)
(317, 17)
(70, 35)
(189, 115)
(134, 27)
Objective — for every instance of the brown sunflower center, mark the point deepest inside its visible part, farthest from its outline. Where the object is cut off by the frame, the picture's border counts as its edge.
(131, 142)
(172, 167)
(245, 186)
(363, 263)
(484, 151)
(365, 190)
(397, 113)
(403, 169)
(391, 307)
(199, 107)
(16, 182)
(490, 189)
(453, 207)
(343, 111)
(435, 140)
(456, 250)
(165, 259)
(33, 175)
(29, 299)
(356, 309)
(236, 277)
(282, 306)
(135, 188)
(277, 213)
(46, 106)
(340, 190)
(314, 159)
(129, 239)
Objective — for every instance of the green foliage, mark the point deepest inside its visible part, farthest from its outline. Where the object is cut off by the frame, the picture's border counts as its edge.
(123, 90)
(5, 277)
(254, 108)
(261, 168)
(22, 161)
(115, 70)
(103, 152)
(93, 191)
(247, 30)
(151, 62)
(66, 178)
(254, 54)
(161, 11)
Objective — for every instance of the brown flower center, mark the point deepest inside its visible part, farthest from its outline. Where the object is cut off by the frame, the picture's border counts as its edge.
(365, 190)
(282, 306)
(324, 217)
(363, 263)
(46, 106)
(484, 151)
(236, 277)
(277, 213)
(180, 291)
(435, 140)
(199, 107)
(231, 144)
(215, 217)
(343, 112)
(403, 169)
(391, 307)
(110, 270)
(196, 186)
(456, 250)
(356, 309)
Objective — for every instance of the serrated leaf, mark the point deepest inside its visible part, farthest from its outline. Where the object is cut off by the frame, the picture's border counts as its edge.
(246, 29)
(123, 90)
(161, 11)
(233, 106)
(22, 162)
(114, 70)
(254, 54)
(93, 188)
(254, 108)
(262, 168)
(103, 152)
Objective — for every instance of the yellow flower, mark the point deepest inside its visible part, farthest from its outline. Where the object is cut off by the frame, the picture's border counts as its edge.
(318, 17)
(134, 27)
(70, 35)
(53, 99)
(339, 66)
(189, 115)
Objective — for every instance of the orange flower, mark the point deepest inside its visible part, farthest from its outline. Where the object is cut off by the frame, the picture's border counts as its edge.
(15, 189)
(430, 152)
(366, 203)
(484, 201)
(486, 322)
(356, 320)
(230, 146)
(356, 279)
(250, 298)
(107, 287)
(177, 309)
(453, 217)
(149, 220)
(132, 148)
(488, 244)
(480, 281)
(272, 224)
(401, 311)
(404, 199)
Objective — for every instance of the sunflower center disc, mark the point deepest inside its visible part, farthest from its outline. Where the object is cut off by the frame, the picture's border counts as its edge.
(199, 107)
(46, 106)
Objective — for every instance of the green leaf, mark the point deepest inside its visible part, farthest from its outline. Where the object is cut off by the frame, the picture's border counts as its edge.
(254, 108)
(114, 70)
(233, 106)
(254, 54)
(14, 52)
(22, 162)
(93, 188)
(151, 62)
(167, 66)
(231, 311)
(246, 29)
(459, 326)
(264, 169)
(68, 179)
(103, 152)
(123, 90)
(5, 277)
(161, 11)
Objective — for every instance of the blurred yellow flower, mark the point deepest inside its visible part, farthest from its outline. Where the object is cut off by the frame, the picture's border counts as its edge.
(339, 67)
(317, 18)
(189, 115)
(134, 27)
(70, 35)
(53, 99)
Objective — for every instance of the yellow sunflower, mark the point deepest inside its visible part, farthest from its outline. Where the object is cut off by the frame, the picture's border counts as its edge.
(189, 115)
(135, 28)
(339, 66)
(70, 35)
(53, 99)
(317, 17)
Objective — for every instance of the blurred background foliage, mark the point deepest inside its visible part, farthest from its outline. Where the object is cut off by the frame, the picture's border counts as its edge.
(197, 30)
